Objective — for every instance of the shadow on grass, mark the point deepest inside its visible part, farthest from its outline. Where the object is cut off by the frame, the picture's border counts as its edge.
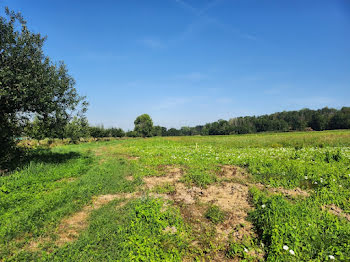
(39, 155)
(46, 156)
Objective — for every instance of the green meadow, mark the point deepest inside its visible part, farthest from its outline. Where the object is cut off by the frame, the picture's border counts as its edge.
(259, 197)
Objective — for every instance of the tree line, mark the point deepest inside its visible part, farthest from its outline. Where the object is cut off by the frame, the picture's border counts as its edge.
(301, 120)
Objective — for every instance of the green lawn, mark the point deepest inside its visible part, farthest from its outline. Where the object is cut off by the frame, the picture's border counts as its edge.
(152, 224)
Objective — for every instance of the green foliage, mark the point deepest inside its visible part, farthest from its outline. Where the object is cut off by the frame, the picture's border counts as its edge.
(147, 216)
(100, 131)
(305, 119)
(143, 125)
(199, 178)
(311, 234)
(159, 131)
(167, 188)
(315, 161)
(144, 230)
(215, 214)
(132, 134)
(30, 83)
(37, 195)
(116, 132)
(76, 129)
(239, 250)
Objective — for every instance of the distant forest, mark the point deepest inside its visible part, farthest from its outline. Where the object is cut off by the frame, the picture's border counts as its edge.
(302, 120)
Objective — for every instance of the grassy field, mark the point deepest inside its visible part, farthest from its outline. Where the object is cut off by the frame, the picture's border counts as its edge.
(265, 197)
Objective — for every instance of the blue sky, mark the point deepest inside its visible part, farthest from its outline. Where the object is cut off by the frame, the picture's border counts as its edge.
(188, 62)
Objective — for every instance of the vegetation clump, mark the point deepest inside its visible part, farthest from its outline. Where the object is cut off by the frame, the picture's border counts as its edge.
(215, 214)
(299, 231)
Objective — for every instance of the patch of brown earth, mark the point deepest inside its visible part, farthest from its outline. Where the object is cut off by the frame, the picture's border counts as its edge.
(169, 169)
(233, 199)
(170, 230)
(3, 171)
(34, 245)
(132, 157)
(185, 194)
(99, 151)
(171, 177)
(229, 196)
(193, 213)
(238, 174)
(129, 178)
(294, 193)
(234, 172)
(203, 231)
(336, 211)
(70, 227)
(157, 195)
(221, 257)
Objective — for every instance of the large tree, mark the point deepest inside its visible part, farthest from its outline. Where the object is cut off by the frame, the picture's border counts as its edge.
(143, 125)
(30, 84)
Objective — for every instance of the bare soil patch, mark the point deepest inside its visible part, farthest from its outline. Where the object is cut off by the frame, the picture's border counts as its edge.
(100, 151)
(336, 211)
(231, 197)
(234, 172)
(173, 175)
(70, 227)
(129, 178)
(238, 174)
(294, 193)
(131, 157)
(185, 194)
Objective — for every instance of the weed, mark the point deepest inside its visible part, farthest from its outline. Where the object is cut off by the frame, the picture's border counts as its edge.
(166, 188)
(198, 178)
(215, 214)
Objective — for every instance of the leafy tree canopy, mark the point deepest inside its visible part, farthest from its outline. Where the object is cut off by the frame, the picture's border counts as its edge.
(143, 125)
(30, 83)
